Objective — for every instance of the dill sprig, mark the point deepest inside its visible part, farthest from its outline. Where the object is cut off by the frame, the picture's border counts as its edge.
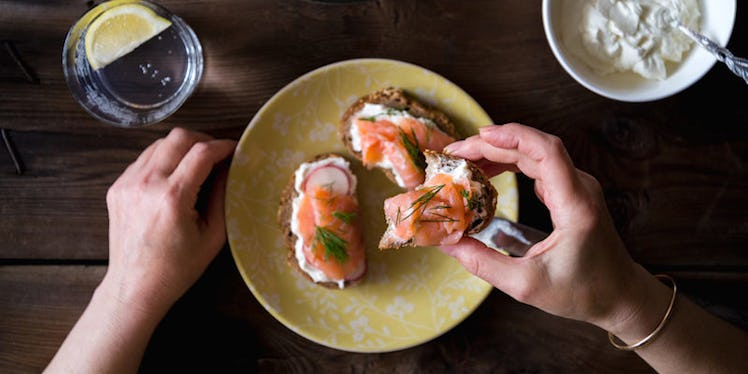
(344, 216)
(413, 149)
(333, 244)
(387, 112)
(420, 203)
(471, 203)
(440, 218)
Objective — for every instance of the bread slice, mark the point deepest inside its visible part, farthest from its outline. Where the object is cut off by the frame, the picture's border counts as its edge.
(284, 217)
(398, 99)
(484, 197)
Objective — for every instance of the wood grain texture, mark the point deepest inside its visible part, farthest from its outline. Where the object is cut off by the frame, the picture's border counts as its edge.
(673, 170)
(218, 326)
(40, 304)
(673, 173)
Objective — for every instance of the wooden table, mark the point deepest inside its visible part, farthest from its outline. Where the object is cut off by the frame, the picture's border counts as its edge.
(674, 174)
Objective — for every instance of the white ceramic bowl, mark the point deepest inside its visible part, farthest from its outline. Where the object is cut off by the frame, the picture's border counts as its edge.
(717, 19)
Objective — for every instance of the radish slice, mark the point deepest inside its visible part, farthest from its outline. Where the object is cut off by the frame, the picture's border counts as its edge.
(329, 176)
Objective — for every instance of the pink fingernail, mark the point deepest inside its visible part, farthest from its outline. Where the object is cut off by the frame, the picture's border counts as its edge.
(453, 147)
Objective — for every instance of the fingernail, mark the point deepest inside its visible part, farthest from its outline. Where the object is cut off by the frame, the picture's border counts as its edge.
(453, 147)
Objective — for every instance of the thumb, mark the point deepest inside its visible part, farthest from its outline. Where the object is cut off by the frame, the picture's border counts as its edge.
(493, 267)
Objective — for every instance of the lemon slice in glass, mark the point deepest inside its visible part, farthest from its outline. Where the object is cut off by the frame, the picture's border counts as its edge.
(119, 30)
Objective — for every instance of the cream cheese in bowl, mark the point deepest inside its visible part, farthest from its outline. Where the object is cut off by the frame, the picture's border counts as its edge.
(562, 20)
(624, 35)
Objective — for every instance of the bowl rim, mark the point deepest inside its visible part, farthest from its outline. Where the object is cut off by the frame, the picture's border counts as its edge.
(633, 96)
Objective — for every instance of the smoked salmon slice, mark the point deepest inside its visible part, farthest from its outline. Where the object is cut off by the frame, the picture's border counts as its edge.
(331, 234)
(398, 142)
(319, 216)
(456, 198)
(389, 129)
(433, 214)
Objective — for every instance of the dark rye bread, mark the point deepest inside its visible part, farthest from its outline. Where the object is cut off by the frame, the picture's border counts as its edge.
(398, 99)
(285, 213)
(486, 197)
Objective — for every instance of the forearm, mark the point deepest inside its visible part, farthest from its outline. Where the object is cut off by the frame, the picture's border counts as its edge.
(110, 336)
(692, 341)
(697, 342)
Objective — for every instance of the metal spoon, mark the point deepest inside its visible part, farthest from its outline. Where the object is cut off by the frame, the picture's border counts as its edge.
(739, 66)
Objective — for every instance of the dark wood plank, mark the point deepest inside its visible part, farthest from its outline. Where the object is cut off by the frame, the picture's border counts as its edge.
(40, 304)
(61, 194)
(671, 180)
(673, 172)
(219, 327)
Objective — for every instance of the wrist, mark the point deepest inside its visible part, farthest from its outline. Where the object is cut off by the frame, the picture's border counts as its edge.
(127, 301)
(639, 309)
(110, 336)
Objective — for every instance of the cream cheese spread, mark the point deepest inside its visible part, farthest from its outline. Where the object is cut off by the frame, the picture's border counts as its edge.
(625, 35)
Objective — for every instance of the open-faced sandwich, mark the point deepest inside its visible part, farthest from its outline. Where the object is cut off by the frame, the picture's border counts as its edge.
(456, 199)
(318, 215)
(389, 130)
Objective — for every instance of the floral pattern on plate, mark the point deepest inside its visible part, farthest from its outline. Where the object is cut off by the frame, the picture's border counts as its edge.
(408, 296)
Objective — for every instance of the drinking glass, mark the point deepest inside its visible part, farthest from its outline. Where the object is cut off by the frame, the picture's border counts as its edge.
(142, 87)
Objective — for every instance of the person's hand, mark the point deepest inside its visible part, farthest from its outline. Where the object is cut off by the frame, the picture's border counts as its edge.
(159, 244)
(582, 270)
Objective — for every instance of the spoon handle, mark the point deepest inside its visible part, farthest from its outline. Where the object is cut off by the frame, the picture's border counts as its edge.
(510, 237)
(739, 66)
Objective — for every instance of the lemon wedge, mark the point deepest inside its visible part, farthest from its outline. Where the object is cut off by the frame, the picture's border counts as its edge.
(119, 30)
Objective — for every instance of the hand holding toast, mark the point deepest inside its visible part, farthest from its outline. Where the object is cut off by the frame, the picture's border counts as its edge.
(582, 270)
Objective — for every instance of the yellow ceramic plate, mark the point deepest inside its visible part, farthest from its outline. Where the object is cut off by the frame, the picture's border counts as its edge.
(408, 296)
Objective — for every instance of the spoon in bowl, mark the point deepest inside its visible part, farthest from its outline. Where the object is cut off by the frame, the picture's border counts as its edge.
(739, 66)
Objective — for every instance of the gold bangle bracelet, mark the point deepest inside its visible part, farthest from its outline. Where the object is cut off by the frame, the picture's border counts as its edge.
(648, 339)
